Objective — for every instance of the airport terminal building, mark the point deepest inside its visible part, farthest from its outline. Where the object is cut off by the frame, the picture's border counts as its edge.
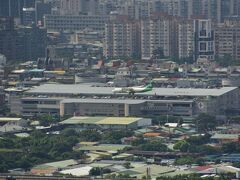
(87, 100)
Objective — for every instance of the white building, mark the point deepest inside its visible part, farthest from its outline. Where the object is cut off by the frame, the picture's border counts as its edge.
(185, 39)
(204, 39)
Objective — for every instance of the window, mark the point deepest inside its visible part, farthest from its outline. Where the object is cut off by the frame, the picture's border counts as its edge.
(203, 46)
(49, 102)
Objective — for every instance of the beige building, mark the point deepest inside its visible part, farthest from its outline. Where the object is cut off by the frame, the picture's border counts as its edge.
(159, 32)
(121, 38)
(227, 40)
(78, 7)
(185, 38)
(136, 9)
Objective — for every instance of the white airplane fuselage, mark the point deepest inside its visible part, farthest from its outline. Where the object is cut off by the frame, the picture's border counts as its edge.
(137, 89)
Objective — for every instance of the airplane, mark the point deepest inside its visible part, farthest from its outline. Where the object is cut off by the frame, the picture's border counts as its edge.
(133, 90)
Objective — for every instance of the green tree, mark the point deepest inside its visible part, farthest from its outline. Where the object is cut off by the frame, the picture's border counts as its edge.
(127, 165)
(205, 122)
(123, 176)
(140, 140)
(115, 136)
(236, 164)
(46, 120)
(90, 135)
(199, 140)
(207, 149)
(154, 145)
(226, 60)
(188, 160)
(230, 147)
(37, 148)
(69, 132)
(182, 145)
(96, 171)
(158, 53)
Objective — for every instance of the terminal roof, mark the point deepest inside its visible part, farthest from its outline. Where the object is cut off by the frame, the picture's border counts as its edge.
(76, 89)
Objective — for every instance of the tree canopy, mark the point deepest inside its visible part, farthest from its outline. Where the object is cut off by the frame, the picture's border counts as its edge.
(205, 122)
(37, 148)
(154, 145)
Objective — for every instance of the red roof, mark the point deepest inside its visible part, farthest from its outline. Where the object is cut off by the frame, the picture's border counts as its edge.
(202, 168)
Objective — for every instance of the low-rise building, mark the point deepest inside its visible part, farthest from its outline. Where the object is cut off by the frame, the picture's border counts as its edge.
(8, 125)
(50, 168)
(82, 99)
(107, 122)
(126, 107)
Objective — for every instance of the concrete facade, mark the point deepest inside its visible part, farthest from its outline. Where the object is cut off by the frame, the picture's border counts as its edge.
(73, 23)
(204, 39)
(121, 38)
(185, 39)
(227, 40)
(159, 32)
(87, 100)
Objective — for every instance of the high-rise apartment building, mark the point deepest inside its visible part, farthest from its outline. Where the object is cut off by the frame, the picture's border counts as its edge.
(11, 8)
(171, 7)
(159, 33)
(78, 7)
(235, 8)
(42, 8)
(185, 38)
(136, 9)
(203, 39)
(121, 38)
(23, 43)
(227, 40)
(195, 8)
(216, 10)
(145, 40)
(28, 17)
(31, 43)
(183, 8)
(105, 7)
(7, 38)
(14, 8)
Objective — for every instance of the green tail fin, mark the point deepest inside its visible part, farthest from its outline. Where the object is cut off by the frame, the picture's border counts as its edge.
(150, 86)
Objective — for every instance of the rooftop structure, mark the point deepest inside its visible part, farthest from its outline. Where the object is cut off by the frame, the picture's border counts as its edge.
(75, 89)
(89, 100)
(104, 147)
(11, 125)
(8, 119)
(108, 122)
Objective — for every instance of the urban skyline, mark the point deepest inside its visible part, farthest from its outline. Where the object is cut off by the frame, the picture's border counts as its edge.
(120, 89)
